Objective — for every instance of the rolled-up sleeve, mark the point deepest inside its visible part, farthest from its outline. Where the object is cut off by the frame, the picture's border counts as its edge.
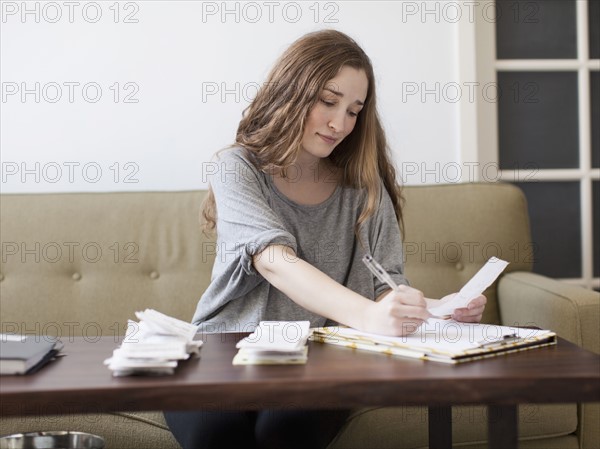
(246, 224)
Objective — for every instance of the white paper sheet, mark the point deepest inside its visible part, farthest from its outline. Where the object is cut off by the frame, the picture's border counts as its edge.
(472, 289)
(281, 336)
(439, 336)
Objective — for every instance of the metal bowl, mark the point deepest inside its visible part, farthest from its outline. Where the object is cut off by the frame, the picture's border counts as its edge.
(52, 440)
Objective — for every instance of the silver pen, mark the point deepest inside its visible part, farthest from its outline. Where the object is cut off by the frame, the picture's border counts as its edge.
(378, 271)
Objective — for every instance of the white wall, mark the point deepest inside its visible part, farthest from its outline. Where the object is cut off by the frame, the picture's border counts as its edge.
(169, 61)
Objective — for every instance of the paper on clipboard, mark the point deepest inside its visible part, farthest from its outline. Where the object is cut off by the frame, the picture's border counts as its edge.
(472, 289)
(441, 340)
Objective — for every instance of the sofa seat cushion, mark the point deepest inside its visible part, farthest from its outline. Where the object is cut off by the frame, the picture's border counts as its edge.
(393, 427)
(406, 427)
(119, 430)
(375, 427)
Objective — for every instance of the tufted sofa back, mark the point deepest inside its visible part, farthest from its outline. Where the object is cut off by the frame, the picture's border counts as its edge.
(452, 230)
(83, 263)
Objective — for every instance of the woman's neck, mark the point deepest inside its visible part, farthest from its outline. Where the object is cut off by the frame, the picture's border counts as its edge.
(308, 184)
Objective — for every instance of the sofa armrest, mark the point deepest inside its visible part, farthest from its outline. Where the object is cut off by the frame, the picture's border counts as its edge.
(572, 312)
(528, 299)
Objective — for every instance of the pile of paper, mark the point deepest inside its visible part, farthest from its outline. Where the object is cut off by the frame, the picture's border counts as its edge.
(275, 343)
(154, 345)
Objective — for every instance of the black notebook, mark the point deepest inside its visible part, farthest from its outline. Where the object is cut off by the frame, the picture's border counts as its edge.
(24, 355)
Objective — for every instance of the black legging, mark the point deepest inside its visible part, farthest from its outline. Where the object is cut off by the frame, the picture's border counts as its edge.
(280, 429)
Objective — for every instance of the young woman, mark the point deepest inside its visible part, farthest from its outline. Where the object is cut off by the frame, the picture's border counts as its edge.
(306, 191)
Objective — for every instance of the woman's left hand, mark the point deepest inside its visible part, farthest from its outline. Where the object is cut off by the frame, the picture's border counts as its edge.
(473, 312)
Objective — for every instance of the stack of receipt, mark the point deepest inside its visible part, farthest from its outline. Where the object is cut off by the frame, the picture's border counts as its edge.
(275, 343)
(154, 345)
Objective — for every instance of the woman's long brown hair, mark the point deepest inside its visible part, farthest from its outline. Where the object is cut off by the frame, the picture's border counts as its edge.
(272, 125)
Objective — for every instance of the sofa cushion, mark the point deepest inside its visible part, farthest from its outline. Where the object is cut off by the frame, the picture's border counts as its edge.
(452, 230)
(406, 427)
(81, 264)
(380, 428)
(119, 430)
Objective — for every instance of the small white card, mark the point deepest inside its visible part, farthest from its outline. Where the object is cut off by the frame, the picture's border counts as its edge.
(282, 336)
(161, 323)
(472, 289)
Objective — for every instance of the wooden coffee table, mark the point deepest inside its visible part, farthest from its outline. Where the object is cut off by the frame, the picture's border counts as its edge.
(334, 377)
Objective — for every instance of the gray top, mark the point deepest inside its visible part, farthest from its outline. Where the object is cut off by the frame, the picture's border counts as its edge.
(253, 214)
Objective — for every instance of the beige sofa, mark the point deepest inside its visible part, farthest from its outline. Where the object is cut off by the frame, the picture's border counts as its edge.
(95, 258)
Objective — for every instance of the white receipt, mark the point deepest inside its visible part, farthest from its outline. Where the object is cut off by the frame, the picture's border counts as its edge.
(277, 336)
(472, 289)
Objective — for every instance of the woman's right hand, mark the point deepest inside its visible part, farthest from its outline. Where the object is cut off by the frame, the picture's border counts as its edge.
(397, 313)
